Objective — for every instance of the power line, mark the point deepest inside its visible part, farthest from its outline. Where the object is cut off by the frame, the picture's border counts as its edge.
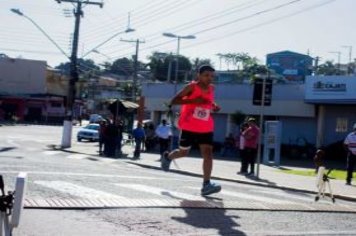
(200, 21)
(108, 27)
(231, 22)
(29, 51)
(262, 24)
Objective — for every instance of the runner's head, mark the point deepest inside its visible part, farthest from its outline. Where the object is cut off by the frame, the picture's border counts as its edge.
(206, 74)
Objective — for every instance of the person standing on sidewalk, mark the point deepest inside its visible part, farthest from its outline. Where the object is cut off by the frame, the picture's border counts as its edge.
(139, 136)
(164, 134)
(350, 144)
(244, 160)
(196, 124)
(251, 135)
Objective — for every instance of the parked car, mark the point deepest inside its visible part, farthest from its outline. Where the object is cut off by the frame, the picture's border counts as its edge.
(89, 132)
(95, 118)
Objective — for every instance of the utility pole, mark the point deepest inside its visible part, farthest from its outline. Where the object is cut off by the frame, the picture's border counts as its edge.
(67, 125)
(135, 77)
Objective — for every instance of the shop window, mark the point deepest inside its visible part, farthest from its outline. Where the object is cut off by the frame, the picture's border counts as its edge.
(341, 125)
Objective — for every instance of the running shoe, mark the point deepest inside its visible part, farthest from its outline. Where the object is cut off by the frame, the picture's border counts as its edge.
(210, 188)
(165, 161)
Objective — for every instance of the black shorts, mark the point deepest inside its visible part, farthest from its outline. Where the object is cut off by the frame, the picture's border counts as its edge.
(187, 139)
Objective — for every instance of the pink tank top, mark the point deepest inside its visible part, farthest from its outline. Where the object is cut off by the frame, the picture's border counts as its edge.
(197, 117)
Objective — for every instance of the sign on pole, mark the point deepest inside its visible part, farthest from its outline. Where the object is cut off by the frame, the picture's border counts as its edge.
(258, 90)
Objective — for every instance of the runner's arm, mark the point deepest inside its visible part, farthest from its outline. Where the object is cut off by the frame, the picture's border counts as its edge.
(186, 91)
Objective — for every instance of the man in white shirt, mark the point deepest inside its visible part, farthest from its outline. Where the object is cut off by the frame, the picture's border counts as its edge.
(350, 144)
(164, 134)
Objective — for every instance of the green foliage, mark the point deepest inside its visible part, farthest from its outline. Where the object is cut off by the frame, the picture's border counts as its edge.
(160, 63)
(337, 174)
(85, 67)
(122, 66)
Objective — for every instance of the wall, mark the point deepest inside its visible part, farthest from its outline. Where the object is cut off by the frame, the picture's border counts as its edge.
(19, 76)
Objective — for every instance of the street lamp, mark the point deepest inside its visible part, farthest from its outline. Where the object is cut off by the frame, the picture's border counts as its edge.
(178, 37)
(20, 13)
(350, 67)
(128, 30)
(338, 53)
(102, 54)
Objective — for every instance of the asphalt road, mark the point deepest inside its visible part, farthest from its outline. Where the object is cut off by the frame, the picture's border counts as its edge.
(57, 174)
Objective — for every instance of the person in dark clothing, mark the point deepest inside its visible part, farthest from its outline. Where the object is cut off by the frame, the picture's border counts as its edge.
(150, 138)
(102, 132)
(139, 136)
(120, 130)
(111, 140)
(244, 160)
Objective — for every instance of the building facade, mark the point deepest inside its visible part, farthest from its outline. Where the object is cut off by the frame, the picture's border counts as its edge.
(335, 100)
(291, 65)
(298, 118)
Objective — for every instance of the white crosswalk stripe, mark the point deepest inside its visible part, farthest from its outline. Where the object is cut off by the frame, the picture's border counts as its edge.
(77, 156)
(51, 153)
(251, 197)
(162, 192)
(77, 190)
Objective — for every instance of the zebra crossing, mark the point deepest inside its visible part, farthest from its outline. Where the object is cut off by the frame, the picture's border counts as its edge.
(74, 195)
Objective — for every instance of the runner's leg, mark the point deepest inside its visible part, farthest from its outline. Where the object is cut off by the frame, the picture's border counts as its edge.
(206, 151)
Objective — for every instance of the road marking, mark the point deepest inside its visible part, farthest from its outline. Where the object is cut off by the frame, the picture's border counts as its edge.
(251, 197)
(92, 175)
(77, 156)
(307, 198)
(12, 142)
(162, 192)
(51, 153)
(77, 190)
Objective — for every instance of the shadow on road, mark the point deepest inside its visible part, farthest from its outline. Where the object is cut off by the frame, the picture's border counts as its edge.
(208, 218)
(6, 149)
(215, 218)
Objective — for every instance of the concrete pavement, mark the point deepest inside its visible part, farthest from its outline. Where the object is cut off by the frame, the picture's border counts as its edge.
(227, 170)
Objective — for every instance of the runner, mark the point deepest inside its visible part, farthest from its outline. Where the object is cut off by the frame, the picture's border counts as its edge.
(196, 124)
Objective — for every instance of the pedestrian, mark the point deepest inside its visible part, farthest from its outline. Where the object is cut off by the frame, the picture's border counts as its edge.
(164, 134)
(242, 151)
(111, 139)
(150, 138)
(139, 136)
(120, 129)
(102, 132)
(196, 124)
(251, 135)
(350, 145)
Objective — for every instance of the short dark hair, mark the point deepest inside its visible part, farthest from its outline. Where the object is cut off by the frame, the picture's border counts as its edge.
(205, 68)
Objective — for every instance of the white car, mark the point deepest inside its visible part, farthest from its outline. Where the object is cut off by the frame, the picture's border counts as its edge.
(95, 118)
(89, 132)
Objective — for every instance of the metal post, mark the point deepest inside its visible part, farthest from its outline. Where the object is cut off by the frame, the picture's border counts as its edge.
(67, 124)
(169, 69)
(259, 151)
(177, 65)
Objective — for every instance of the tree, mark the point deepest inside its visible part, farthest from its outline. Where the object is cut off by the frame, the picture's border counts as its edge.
(328, 68)
(161, 63)
(198, 62)
(122, 66)
(84, 67)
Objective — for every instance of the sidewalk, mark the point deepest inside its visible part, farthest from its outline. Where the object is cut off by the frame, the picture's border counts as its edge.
(227, 170)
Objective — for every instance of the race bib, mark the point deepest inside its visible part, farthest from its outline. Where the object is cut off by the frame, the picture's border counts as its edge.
(201, 113)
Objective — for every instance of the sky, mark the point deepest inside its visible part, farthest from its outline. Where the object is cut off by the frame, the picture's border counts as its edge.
(256, 27)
